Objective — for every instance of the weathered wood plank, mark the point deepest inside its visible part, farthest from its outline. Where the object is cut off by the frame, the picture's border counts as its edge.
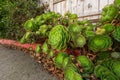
(80, 7)
(74, 6)
(103, 3)
(63, 7)
(111, 1)
(57, 1)
(90, 6)
(51, 5)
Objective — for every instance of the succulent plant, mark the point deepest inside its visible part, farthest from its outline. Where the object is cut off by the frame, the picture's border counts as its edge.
(50, 54)
(99, 43)
(75, 28)
(43, 30)
(38, 49)
(30, 25)
(89, 34)
(116, 68)
(116, 34)
(72, 73)
(59, 59)
(104, 73)
(66, 61)
(79, 41)
(109, 12)
(117, 2)
(100, 31)
(58, 37)
(108, 27)
(45, 48)
(86, 63)
(26, 37)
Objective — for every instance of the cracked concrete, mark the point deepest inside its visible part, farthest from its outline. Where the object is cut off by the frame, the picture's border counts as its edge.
(17, 65)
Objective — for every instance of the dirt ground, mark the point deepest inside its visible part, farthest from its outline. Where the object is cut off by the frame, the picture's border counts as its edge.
(17, 65)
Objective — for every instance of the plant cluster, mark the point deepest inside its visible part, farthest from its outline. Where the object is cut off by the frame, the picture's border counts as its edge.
(59, 33)
(13, 13)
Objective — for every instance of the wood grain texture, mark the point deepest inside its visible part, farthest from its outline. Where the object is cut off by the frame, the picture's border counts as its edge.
(85, 9)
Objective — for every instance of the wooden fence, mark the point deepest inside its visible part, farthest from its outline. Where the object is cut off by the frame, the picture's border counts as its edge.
(85, 9)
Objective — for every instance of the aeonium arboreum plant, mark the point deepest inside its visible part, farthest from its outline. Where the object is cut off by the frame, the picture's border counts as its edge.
(100, 43)
(58, 37)
(116, 34)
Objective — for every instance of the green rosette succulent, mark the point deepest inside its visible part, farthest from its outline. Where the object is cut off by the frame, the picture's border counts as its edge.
(59, 59)
(108, 27)
(39, 20)
(72, 73)
(66, 61)
(38, 49)
(26, 37)
(30, 25)
(43, 30)
(79, 41)
(116, 34)
(86, 64)
(117, 2)
(75, 28)
(45, 48)
(116, 68)
(77, 76)
(109, 12)
(99, 43)
(58, 37)
(50, 54)
(104, 73)
(89, 34)
(22, 40)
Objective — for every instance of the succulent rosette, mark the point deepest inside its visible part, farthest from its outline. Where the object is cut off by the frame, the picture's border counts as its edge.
(116, 34)
(79, 41)
(30, 25)
(86, 64)
(100, 43)
(58, 37)
(109, 12)
(72, 73)
(108, 27)
(104, 73)
(59, 59)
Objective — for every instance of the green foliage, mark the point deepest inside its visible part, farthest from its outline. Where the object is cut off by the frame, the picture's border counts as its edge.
(116, 34)
(86, 63)
(66, 61)
(59, 59)
(108, 27)
(99, 43)
(58, 37)
(109, 12)
(104, 73)
(13, 13)
(38, 49)
(116, 68)
(75, 28)
(80, 41)
(45, 48)
(72, 73)
(26, 37)
(30, 25)
(117, 2)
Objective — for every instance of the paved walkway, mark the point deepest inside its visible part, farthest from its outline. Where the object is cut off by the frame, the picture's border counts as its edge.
(16, 65)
